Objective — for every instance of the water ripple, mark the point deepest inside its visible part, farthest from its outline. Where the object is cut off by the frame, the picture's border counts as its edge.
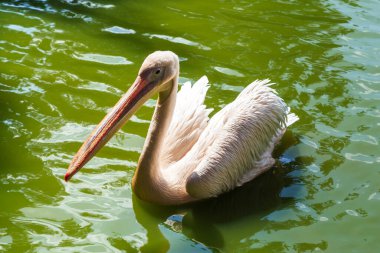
(73, 132)
(178, 40)
(63, 64)
(228, 71)
(102, 87)
(358, 157)
(364, 138)
(119, 30)
(28, 30)
(88, 4)
(100, 58)
(374, 196)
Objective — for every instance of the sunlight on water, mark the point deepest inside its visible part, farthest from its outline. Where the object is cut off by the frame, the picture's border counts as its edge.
(105, 59)
(64, 64)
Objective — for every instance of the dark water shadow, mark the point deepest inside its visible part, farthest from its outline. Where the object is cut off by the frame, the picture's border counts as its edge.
(258, 197)
(199, 221)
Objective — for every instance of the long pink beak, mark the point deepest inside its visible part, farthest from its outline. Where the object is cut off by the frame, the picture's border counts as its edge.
(112, 122)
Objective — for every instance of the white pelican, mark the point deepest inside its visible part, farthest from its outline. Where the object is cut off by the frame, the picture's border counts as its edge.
(187, 156)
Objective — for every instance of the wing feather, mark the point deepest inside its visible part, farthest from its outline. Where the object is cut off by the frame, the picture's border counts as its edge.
(238, 142)
(190, 118)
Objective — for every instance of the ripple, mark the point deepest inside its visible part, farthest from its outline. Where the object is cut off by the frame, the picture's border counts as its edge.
(136, 240)
(228, 71)
(329, 130)
(374, 196)
(178, 40)
(367, 90)
(360, 158)
(119, 30)
(314, 168)
(74, 132)
(283, 215)
(304, 208)
(302, 89)
(66, 133)
(369, 93)
(80, 103)
(104, 59)
(97, 216)
(99, 162)
(364, 138)
(49, 213)
(28, 30)
(5, 240)
(44, 89)
(24, 86)
(228, 87)
(45, 226)
(42, 6)
(16, 179)
(88, 4)
(307, 141)
(293, 191)
(354, 110)
(73, 15)
(16, 127)
(352, 212)
(90, 191)
(98, 86)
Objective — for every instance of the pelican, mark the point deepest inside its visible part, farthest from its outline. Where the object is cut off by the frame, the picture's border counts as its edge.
(187, 156)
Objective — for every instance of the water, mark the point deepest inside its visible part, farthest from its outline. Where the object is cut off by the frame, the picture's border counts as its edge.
(65, 63)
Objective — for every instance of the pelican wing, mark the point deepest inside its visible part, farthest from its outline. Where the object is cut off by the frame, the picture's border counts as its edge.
(190, 118)
(238, 141)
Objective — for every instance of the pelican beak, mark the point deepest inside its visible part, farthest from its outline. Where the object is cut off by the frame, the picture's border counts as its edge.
(136, 96)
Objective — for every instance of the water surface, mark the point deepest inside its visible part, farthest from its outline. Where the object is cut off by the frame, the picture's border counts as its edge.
(63, 64)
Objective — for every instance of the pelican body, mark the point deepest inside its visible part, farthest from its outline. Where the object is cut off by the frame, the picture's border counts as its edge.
(187, 156)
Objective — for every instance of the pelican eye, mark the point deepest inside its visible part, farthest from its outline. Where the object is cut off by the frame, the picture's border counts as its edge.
(157, 72)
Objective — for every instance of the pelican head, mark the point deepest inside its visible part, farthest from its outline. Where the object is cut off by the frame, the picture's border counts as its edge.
(155, 76)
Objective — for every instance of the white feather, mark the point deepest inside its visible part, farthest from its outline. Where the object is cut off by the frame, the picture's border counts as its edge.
(190, 118)
(237, 144)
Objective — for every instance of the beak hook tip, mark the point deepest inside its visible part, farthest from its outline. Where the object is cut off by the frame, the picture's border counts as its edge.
(67, 176)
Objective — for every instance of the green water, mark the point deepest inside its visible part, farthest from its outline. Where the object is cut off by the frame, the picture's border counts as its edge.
(64, 63)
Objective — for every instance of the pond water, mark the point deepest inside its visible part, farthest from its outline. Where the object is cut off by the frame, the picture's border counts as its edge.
(64, 63)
